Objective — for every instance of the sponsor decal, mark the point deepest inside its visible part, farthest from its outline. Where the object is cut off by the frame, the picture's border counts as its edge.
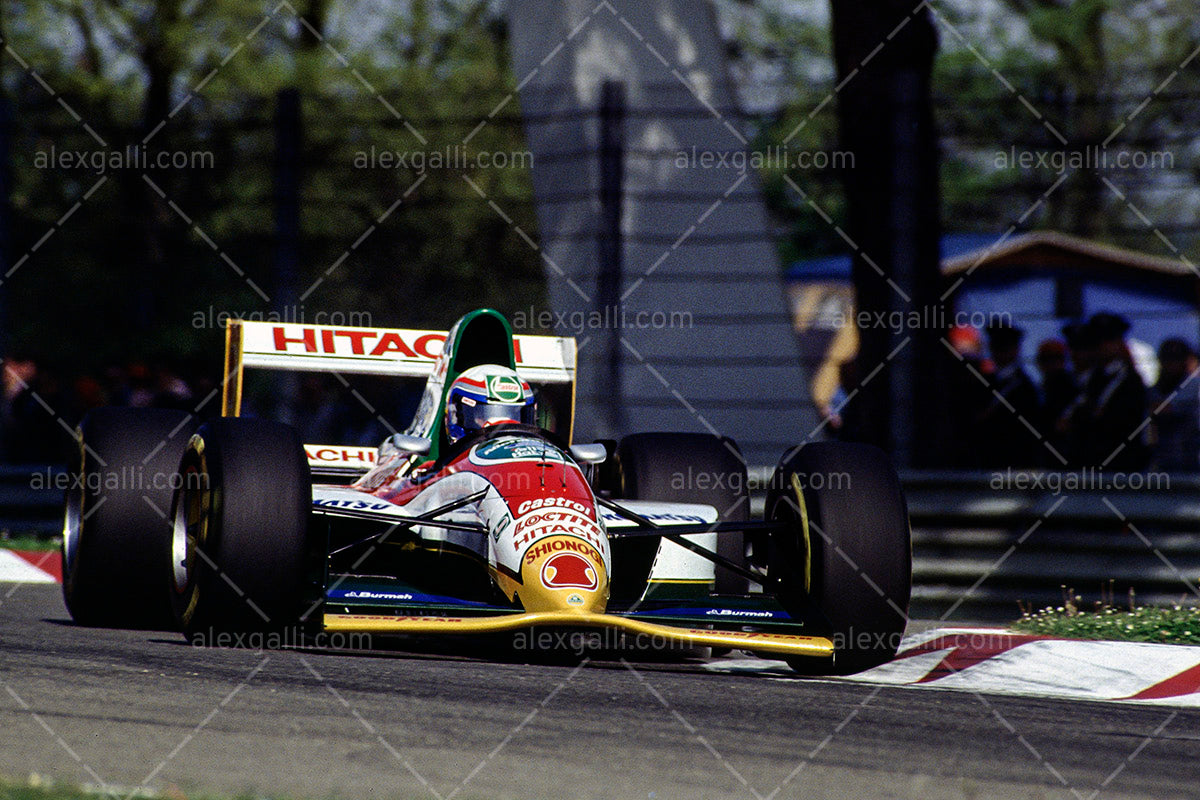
(761, 636)
(568, 570)
(540, 524)
(365, 594)
(611, 516)
(358, 342)
(508, 449)
(501, 526)
(575, 599)
(505, 388)
(340, 455)
(562, 545)
(713, 612)
(557, 502)
(357, 505)
(388, 596)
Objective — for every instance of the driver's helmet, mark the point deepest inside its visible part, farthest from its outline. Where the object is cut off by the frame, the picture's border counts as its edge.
(487, 395)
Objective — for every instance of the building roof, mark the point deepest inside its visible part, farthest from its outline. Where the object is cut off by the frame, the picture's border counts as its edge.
(962, 252)
(1055, 249)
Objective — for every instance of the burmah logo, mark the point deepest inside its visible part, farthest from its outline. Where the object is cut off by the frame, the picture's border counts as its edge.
(569, 571)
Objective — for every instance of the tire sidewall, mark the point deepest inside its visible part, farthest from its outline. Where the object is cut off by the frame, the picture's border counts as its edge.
(856, 550)
(116, 517)
(249, 517)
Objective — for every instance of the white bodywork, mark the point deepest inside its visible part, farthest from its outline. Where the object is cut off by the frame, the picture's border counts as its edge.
(501, 547)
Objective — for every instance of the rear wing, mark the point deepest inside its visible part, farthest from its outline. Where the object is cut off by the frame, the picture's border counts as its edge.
(368, 351)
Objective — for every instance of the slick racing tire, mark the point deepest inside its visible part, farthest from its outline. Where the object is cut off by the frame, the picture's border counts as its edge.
(687, 468)
(845, 555)
(241, 558)
(116, 524)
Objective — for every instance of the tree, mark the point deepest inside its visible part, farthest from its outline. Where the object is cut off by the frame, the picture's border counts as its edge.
(201, 77)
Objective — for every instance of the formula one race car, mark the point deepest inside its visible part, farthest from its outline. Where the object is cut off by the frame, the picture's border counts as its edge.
(480, 518)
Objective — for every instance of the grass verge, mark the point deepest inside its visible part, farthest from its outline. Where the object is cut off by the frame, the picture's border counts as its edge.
(36, 543)
(39, 789)
(1176, 625)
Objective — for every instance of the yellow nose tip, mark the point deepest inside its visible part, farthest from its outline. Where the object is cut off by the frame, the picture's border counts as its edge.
(562, 573)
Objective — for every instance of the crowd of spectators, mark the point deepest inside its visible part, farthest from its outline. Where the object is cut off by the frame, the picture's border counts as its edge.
(1089, 406)
(39, 409)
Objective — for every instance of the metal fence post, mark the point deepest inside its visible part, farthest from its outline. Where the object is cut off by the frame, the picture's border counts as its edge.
(609, 278)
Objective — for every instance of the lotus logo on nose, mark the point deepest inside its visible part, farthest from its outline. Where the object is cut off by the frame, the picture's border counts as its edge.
(569, 571)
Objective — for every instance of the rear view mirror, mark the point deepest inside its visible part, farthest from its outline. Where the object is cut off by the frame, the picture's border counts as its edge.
(593, 453)
(407, 444)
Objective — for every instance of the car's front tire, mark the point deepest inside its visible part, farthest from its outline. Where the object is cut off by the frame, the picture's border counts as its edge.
(845, 555)
(241, 554)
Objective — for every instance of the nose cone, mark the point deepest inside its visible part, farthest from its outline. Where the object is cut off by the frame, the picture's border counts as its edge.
(563, 573)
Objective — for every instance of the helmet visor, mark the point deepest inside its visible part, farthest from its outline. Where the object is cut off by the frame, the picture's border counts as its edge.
(473, 415)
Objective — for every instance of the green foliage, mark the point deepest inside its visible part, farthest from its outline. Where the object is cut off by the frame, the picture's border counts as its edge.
(795, 54)
(31, 543)
(1009, 80)
(1176, 625)
(132, 273)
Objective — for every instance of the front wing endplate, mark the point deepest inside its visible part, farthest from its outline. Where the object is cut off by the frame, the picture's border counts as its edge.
(756, 641)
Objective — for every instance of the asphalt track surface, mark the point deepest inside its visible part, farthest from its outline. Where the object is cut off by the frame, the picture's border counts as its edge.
(130, 709)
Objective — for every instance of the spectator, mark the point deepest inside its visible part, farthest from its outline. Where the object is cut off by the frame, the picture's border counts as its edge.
(1175, 405)
(969, 395)
(20, 371)
(116, 385)
(87, 393)
(1012, 408)
(1114, 403)
(1081, 340)
(170, 390)
(847, 381)
(141, 386)
(1072, 424)
(1058, 392)
(33, 432)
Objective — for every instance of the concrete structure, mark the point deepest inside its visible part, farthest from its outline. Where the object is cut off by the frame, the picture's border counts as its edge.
(700, 332)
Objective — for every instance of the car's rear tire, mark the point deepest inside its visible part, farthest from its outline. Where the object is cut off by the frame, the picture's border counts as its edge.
(116, 524)
(241, 554)
(849, 531)
(683, 468)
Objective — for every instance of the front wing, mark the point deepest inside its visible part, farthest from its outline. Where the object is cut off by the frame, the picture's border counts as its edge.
(756, 641)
